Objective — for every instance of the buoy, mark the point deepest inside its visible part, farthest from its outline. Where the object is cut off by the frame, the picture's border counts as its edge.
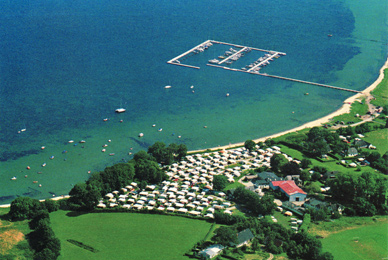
(227, 94)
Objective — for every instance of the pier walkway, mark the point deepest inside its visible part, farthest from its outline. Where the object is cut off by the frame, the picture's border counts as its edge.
(308, 82)
(233, 55)
(264, 61)
(175, 61)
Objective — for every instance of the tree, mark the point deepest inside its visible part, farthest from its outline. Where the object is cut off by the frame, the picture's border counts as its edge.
(158, 150)
(24, 208)
(225, 236)
(220, 182)
(41, 215)
(315, 176)
(305, 163)
(318, 148)
(51, 205)
(85, 196)
(277, 161)
(304, 176)
(149, 171)
(290, 168)
(182, 152)
(326, 256)
(386, 124)
(268, 205)
(250, 145)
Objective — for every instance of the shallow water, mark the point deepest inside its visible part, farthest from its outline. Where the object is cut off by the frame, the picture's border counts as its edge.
(67, 65)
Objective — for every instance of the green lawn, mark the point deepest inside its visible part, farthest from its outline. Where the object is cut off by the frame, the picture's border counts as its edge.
(357, 108)
(365, 242)
(330, 166)
(381, 92)
(127, 235)
(379, 139)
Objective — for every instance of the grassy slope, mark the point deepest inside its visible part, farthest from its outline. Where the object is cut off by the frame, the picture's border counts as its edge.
(127, 236)
(379, 139)
(12, 242)
(381, 91)
(369, 241)
(357, 108)
(330, 166)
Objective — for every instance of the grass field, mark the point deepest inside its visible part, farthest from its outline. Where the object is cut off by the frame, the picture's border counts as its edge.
(365, 242)
(381, 91)
(379, 139)
(13, 244)
(330, 166)
(127, 236)
(356, 108)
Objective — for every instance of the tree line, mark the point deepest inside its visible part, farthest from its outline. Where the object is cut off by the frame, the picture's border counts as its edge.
(41, 239)
(145, 168)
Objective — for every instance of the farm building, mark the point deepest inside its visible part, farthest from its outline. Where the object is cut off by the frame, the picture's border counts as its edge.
(211, 251)
(292, 191)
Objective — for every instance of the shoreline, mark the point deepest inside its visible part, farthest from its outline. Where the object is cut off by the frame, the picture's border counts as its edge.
(344, 109)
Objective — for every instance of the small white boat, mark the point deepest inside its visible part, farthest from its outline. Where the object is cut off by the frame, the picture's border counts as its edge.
(43, 147)
(13, 178)
(71, 141)
(192, 87)
(141, 135)
(44, 164)
(103, 150)
(160, 129)
(23, 130)
(227, 94)
(153, 125)
(168, 86)
(82, 141)
(120, 110)
(52, 157)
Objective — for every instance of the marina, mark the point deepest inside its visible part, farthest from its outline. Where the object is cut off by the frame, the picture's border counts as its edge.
(253, 68)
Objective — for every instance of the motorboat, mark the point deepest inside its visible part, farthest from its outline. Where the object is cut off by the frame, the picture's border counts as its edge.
(168, 86)
(141, 135)
(13, 178)
(120, 110)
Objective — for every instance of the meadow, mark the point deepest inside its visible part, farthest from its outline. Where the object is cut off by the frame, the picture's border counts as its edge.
(126, 236)
(368, 241)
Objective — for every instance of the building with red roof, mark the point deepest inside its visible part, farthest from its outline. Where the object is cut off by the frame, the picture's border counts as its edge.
(292, 191)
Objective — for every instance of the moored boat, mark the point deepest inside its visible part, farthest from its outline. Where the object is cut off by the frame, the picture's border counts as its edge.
(120, 110)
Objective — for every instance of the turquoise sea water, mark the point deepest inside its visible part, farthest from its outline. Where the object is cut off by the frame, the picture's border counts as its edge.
(67, 65)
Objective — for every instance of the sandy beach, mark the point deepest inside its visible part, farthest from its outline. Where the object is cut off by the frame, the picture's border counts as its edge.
(343, 110)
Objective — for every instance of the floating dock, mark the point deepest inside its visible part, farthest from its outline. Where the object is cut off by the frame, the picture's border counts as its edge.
(252, 68)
